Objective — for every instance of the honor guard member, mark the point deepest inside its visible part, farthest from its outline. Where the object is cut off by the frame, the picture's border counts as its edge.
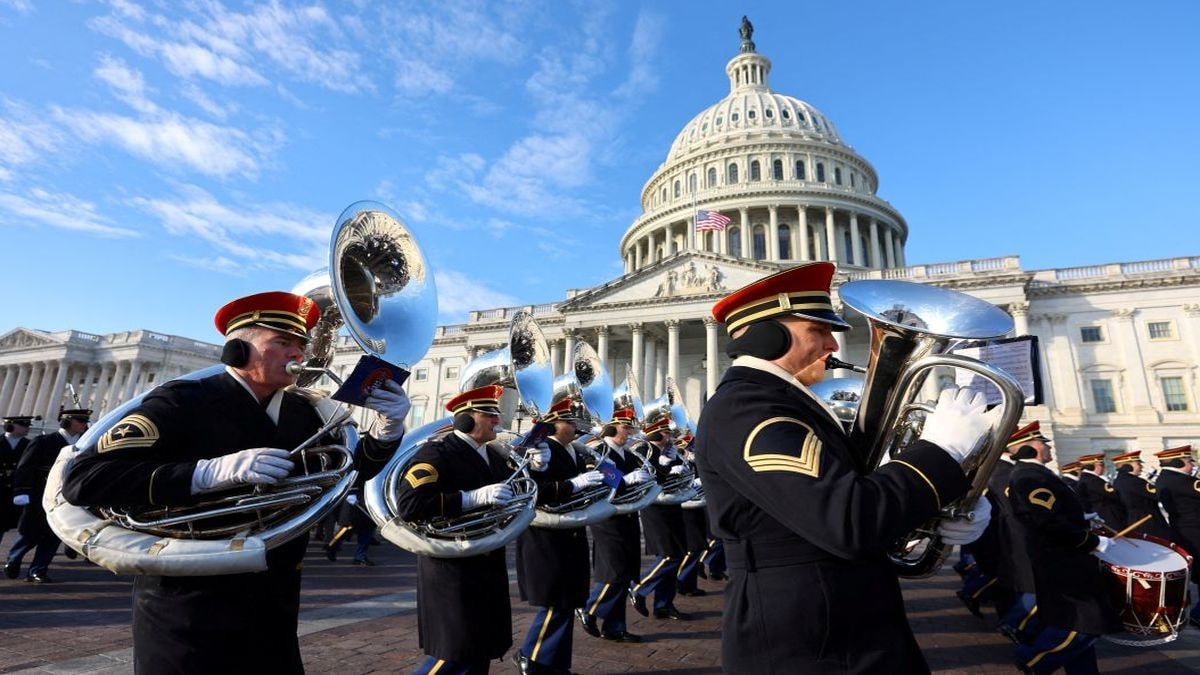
(1139, 496)
(1069, 472)
(616, 543)
(1179, 494)
(190, 438)
(29, 482)
(663, 525)
(1015, 596)
(1098, 495)
(12, 446)
(695, 530)
(552, 564)
(811, 587)
(464, 619)
(1072, 604)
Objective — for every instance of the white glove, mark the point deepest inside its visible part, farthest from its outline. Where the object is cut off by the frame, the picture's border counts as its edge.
(1102, 545)
(635, 477)
(958, 423)
(351, 499)
(963, 530)
(261, 466)
(21, 500)
(696, 483)
(539, 457)
(665, 458)
(496, 493)
(586, 479)
(391, 405)
(1093, 517)
(677, 469)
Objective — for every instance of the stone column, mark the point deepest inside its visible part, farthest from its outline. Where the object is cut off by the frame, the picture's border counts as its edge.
(44, 394)
(637, 255)
(773, 233)
(660, 368)
(876, 257)
(673, 348)
(1064, 379)
(711, 369)
(747, 252)
(830, 236)
(635, 360)
(108, 372)
(900, 257)
(1020, 315)
(436, 403)
(568, 362)
(135, 371)
(1126, 338)
(888, 247)
(89, 384)
(602, 348)
(650, 367)
(10, 383)
(27, 388)
(59, 389)
(555, 357)
(802, 225)
(690, 224)
(856, 254)
(722, 239)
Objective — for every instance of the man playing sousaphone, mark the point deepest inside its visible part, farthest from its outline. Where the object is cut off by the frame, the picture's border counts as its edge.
(464, 617)
(811, 587)
(191, 438)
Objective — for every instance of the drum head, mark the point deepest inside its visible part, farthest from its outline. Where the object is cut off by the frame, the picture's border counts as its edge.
(1143, 555)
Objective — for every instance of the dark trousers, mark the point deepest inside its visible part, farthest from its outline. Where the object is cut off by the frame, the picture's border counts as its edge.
(607, 603)
(714, 558)
(548, 641)
(1055, 648)
(688, 572)
(46, 545)
(444, 667)
(660, 581)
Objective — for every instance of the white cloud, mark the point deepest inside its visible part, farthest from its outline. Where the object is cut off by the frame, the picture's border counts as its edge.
(203, 101)
(643, 48)
(25, 137)
(58, 210)
(534, 174)
(127, 83)
(22, 6)
(459, 294)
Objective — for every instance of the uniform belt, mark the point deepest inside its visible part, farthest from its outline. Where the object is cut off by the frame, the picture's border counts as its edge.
(750, 556)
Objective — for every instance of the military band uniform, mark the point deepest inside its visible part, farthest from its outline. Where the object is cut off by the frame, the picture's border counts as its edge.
(663, 525)
(463, 610)
(30, 480)
(1140, 499)
(616, 555)
(11, 449)
(696, 538)
(552, 565)
(1015, 597)
(1179, 494)
(1072, 604)
(805, 533)
(148, 458)
(1100, 497)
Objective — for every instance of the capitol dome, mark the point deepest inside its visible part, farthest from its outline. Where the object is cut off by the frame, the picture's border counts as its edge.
(773, 170)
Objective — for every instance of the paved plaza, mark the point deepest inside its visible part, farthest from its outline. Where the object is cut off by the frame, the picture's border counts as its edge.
(363, 620)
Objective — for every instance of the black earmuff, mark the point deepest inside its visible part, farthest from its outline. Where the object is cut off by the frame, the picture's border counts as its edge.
(464, 422)
(235, 353)
(609, 431)
(767, 340)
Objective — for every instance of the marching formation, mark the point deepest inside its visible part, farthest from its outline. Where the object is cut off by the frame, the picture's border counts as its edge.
(205, 488)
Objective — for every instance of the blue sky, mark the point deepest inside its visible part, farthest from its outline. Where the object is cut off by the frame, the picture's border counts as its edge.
(160, 158)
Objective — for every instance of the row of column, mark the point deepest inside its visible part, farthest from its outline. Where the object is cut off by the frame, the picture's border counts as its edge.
(40, 387)
(886, 250)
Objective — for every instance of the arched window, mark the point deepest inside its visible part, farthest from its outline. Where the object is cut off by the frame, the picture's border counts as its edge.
(820, 172)
(664, 194)
(777, 169)
(733, 241)
(853, 179)
(692, 182)
(712, 178)
(676, 189)
(755, 171)
(799, 169)
(759, 242)
(731, 174)
(837, 175)
(785, 242)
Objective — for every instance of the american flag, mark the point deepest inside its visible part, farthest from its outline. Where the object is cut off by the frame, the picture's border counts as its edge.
(710, 220)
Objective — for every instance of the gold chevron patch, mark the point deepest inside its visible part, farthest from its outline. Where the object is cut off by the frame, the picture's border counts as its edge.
(133, 431)
(1151, 489)
(1042, 497)
(1109, 488)
(421, 474)
(808, 461)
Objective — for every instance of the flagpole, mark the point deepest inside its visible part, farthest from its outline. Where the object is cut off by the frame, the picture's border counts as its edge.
(692, 229)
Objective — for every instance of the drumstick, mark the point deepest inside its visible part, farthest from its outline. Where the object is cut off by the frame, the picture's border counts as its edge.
(1132, 527)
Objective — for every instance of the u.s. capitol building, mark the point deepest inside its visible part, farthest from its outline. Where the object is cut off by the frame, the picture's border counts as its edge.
(1120, 343)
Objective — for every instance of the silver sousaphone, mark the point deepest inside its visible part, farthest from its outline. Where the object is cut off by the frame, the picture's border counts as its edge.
(634, 498)
(385, 288)
(523, 364)
(676, 488)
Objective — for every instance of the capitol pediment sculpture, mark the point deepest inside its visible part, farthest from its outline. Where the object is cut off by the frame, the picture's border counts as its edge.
(689, 280)
(23, 339)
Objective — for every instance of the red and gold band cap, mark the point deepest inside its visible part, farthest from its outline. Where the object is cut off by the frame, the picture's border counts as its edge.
(1089, 459)
(624, 416)
(1182, 452)
(561, 412)
(1072, 466)
(661, 424)
(277, 310)
(802, 291)
(485, 399)
(1029, 432)
(1127, 457)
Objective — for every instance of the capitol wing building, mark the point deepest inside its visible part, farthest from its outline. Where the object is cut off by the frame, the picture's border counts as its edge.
(1119, 343)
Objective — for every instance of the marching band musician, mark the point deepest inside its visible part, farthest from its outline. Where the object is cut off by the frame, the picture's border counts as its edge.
(1069, 472)
(1139, 496)
(663, 525)
(1099, 497)
(695, 531)
(464, 618)
(12, 446)
(1015, 597)
(189, 438)
(805, 533)
(1179, 494)
(29, 482)
(1072, 604)
(552, 564)
(617, 543)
